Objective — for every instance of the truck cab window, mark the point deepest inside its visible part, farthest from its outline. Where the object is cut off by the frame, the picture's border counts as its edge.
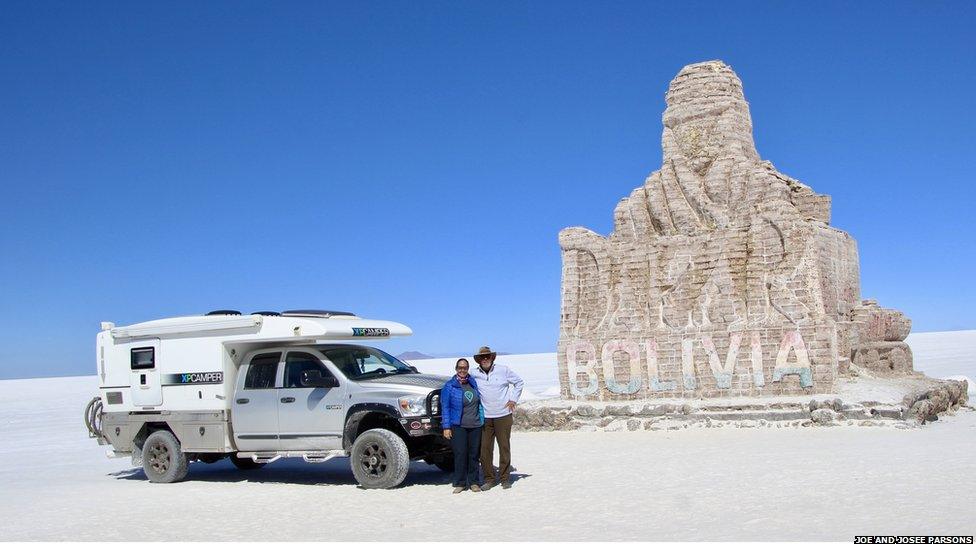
(364, 362)
(296, 363)
(261, 373)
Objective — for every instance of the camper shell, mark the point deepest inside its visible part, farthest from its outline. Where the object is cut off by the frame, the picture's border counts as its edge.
(259, 387)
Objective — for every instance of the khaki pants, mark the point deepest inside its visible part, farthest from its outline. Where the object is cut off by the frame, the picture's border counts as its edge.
(500, 429)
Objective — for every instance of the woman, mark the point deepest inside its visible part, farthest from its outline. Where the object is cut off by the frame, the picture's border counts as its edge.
(461, 418)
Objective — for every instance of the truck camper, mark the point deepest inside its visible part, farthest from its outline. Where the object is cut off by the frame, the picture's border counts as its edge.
(258, 387)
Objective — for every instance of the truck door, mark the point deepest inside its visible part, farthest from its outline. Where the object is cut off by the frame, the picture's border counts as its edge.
(144, 380)
(254, 412)
(309, 418)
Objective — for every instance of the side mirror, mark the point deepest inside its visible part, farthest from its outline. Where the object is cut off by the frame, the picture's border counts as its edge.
(314, 378)
(414, 370)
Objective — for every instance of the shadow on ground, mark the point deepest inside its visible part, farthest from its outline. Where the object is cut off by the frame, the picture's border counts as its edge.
(335, 472)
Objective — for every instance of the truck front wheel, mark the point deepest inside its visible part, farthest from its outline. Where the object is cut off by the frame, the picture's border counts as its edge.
(379, 459)
(162, 458)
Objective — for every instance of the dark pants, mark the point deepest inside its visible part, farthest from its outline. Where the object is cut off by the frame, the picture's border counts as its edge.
(499, 429)
(466, 443)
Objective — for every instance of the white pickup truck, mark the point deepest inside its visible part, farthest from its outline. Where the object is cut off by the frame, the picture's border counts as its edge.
(259, 387)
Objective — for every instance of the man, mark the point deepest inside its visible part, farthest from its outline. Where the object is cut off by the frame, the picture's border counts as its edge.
(499, 389)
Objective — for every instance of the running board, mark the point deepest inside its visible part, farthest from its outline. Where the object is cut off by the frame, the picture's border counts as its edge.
(310, 457)
(323, 457)
(260, 458)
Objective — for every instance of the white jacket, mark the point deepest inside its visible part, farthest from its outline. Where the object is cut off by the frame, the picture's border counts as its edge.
(496, 388)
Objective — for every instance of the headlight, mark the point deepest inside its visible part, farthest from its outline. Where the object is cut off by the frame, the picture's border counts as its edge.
(413, 405)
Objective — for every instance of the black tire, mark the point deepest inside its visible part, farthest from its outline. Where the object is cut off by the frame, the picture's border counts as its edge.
(379, 459)
(162, 458)
(245, 464)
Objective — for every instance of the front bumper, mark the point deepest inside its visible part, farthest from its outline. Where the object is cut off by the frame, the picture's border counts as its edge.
(421, 426)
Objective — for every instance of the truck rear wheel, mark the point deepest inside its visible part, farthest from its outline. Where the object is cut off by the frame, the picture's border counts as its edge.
(162, 458)
(379, 459)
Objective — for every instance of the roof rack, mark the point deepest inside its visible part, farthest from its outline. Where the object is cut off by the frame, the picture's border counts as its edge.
(266, 313)
(302, 326)
(223, 312)
(315, 313)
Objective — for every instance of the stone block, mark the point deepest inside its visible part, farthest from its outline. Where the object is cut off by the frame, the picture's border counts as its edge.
(886, 358)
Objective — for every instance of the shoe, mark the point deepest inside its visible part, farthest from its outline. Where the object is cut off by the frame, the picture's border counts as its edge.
(487, 486)
(459, 489)
(507, 484)
(475, 488)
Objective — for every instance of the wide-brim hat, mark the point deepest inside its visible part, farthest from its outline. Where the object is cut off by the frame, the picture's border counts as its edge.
(483, 352)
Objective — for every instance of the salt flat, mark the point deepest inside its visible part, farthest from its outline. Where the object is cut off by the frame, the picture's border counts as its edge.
(694, 484)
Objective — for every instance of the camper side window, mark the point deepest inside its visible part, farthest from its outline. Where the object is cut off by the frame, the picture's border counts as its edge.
(261, 372)
(143, 358)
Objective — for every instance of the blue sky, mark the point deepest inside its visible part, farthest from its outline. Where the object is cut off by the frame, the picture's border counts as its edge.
(415, 161)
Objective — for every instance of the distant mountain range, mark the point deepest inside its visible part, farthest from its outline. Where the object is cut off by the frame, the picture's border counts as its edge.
(413, 355)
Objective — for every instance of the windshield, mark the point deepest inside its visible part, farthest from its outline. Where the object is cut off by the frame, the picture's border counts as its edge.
(365, 362)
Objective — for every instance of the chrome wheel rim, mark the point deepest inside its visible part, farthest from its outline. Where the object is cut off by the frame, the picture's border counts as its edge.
(159, 458)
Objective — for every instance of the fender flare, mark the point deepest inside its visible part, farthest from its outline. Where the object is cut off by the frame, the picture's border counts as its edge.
(356, 413)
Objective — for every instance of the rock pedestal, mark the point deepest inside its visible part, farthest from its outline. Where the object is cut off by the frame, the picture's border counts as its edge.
(722, 276)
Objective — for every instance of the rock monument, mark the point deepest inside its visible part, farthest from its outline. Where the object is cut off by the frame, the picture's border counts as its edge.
(722, 276)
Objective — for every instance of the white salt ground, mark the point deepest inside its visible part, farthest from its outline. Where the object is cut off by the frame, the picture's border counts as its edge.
(946, 355)
(696, 484)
